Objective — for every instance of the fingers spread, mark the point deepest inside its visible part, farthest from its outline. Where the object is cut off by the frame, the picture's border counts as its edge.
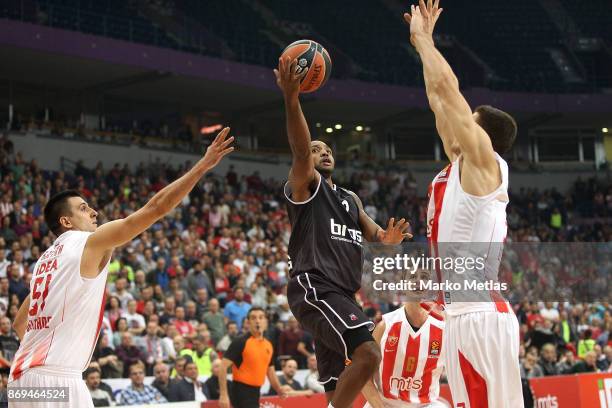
(227, 142)
(423, 8)
(217, 137)
(221, 136)
(407, 17)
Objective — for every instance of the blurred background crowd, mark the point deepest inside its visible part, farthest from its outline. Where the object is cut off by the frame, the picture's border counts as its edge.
(179, 294)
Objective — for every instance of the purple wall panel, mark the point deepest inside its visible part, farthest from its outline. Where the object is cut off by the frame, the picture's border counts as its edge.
(53, 40)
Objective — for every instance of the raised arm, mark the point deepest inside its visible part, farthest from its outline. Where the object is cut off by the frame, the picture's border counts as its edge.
(119, 232)
(274, 383)
(454, 116)
(302, 176)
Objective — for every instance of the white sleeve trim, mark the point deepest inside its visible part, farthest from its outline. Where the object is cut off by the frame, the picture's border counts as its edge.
(302, 202)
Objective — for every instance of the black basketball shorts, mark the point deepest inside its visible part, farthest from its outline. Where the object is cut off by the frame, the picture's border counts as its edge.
(335, 320)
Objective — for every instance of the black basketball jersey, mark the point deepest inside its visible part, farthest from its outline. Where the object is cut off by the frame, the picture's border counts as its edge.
(326, 237)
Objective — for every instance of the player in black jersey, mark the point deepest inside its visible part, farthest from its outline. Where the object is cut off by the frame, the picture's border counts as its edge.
(328, 227)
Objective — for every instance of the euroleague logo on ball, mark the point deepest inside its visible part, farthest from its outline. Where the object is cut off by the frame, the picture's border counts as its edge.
(302, 63)
(312, 58)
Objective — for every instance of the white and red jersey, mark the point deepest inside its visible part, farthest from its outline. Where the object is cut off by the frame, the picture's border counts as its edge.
(454, 216)
(411, 361)
(65, 312)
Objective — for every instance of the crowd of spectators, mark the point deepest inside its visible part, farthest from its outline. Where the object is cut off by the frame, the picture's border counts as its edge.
(179, 293)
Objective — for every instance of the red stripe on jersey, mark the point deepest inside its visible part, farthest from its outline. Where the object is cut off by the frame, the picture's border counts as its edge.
(500, 303)
(40, 354)
(18, 364)
(390, 352)
(438, 189)
(433, 356)
(475, 385)
(433, 309)
(410, 364)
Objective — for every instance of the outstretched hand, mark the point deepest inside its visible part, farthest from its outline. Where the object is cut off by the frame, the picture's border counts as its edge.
(219, 148)
(395, 233)
(288, 76)
(423, 18)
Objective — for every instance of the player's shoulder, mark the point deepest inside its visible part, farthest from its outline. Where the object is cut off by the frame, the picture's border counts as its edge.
(314, 187)
(74, 234)
(394, 315)
(350, 193)
(242, 339)
(345, 190)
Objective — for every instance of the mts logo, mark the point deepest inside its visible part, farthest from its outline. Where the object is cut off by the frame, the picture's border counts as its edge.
(548, 401)
(406, 384)
(342, 230)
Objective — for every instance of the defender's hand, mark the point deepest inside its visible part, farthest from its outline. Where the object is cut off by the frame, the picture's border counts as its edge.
(423, 18)
(219, 148)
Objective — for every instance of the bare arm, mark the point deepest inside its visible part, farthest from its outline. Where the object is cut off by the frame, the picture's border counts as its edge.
(372, 232)
(302, 176)
(301, 348)
(274, 383)
(119, 232)
(446, 100)
(21, 320)
(223, 395)
(369, 391)
(445, 130)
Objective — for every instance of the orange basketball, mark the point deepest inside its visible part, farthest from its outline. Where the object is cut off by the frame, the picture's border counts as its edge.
(311, 55)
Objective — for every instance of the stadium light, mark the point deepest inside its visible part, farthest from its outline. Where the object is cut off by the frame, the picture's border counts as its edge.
(318, 124)
(604, 130)
(329, 130)
(338, 126)
(359, 128)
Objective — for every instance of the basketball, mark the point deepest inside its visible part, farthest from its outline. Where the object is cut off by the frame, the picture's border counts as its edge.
(313, 56)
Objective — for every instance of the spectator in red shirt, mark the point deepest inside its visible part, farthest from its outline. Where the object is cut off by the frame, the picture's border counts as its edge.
(289, 340)
(128, 352)
(113, 311)
(146, 294)
(184, 327)
(222, 284)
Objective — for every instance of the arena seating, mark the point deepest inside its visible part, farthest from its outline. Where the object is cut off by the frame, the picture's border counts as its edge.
(237, 225)
(593, 17)
(511, 38)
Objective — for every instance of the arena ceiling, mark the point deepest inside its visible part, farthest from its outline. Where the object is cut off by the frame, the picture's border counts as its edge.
(73, 83)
